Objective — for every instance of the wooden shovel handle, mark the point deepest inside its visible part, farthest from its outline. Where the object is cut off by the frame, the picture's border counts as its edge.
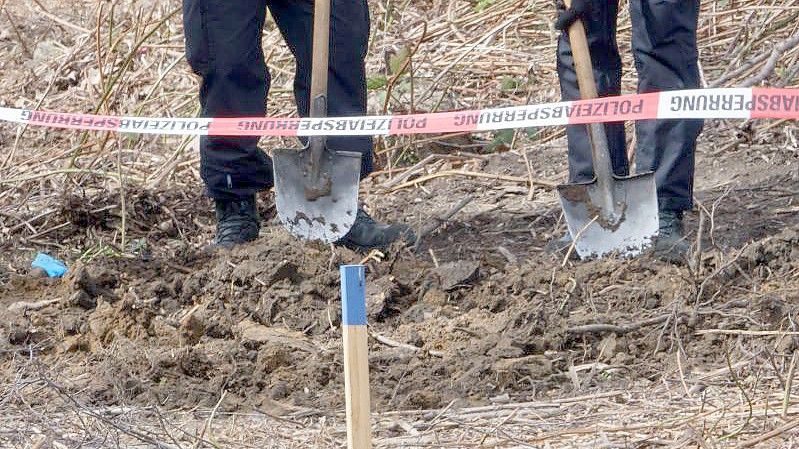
(321, 55)
(581, 54)
(582, 58)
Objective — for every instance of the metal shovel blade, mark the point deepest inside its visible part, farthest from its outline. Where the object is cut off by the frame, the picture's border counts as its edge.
(627, 230)
(326, 217)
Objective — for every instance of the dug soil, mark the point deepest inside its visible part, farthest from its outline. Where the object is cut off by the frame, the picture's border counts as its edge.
(477, 313)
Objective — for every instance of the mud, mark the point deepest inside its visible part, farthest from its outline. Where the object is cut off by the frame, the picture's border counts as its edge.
(176, 325)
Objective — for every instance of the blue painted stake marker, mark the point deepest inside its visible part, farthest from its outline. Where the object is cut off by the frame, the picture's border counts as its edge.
(356, 357)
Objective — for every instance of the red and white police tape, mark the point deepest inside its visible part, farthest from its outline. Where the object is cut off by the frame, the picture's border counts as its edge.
(726, 103)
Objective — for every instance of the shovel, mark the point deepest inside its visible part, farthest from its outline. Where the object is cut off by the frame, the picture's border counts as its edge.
(316, 188)
(610, 214)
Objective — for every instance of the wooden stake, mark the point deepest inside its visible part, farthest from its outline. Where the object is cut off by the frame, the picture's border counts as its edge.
(356, 357)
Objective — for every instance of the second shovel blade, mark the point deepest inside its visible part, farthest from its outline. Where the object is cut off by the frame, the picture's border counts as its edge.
(327, 218)
(634, 227)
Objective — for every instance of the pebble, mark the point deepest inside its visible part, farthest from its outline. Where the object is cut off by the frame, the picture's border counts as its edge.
(38, 273)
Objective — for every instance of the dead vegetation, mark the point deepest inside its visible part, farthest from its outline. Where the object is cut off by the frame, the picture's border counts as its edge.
(126, 58)
(709, 364)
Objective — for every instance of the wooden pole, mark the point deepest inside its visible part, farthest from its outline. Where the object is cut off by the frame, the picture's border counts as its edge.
(356, 357)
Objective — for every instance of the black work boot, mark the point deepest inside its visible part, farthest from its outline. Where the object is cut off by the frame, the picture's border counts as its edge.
(237, 222)
(671, 245)
(366, 234)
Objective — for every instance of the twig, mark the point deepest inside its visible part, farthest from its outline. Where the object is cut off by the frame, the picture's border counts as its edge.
(744, 332)
(619, 330)
(786, 399)
(682, 373)
(25, 306)
(576, 238)
(47, 231)
(772, 61)
(122, 197)
(512, 259)
(470, 174)
(207, 426)
(112, 422)
(21, 40)
(59, 20)
(698, 250)
(395, 344)
(440, 220)
(769, 435)
(416, 168)
(741, 388)
(401, 71)
(433, 257)
(58, 172)
(375, 255)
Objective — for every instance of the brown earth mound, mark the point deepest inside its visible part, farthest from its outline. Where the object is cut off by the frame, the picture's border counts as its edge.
(177, 326)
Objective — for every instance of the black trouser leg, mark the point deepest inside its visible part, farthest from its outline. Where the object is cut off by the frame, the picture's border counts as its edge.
(601, 33)
(349, 39)
(665, 51)
(223, 46)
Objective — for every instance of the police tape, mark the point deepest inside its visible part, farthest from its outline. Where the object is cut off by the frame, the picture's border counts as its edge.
(723, 103)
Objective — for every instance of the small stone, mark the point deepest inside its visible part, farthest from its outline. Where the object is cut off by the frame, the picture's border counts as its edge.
(514, 190)
(421, 399)
(607, 347)
(83, 300)
(435, 296)
(506, 351)
(279, 391)
(73, 343)
(70, 325)
(284, 270)
(652, 303)
(192, 328)
(786, 344)
(38, 273)
(536, 366)
(379, 295)
(255, 335)
(18, 336)
(501, 399)
(167, 227)
(696, 389)
(457, 274)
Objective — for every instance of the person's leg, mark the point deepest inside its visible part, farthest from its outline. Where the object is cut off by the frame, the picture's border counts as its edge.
(666, 57)
(223, 47)
(349, 38)
(600, 29)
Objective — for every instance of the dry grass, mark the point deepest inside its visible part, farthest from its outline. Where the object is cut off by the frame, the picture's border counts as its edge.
(735, 407)
(127, 57)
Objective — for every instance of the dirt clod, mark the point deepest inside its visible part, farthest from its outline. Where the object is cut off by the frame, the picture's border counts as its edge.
(263, 321)
(254, 335)
(456, 274)
(82, 299)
